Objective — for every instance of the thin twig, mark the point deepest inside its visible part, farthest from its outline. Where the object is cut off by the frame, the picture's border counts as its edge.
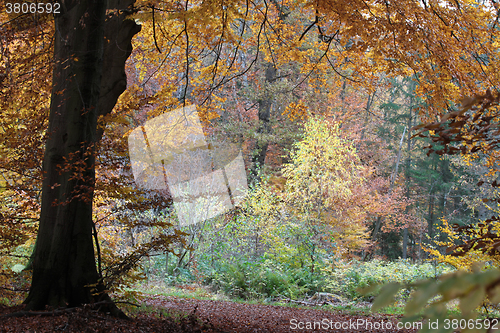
(154, 28)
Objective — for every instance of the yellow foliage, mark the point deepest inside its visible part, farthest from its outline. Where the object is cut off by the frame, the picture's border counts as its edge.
(296, 111)
(467, 261)
(315, 195)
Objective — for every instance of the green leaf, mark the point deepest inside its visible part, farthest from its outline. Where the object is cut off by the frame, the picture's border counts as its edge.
(487, 277)
(369, 289)
(386, 296)
(436, 311)
(421, 297)
(472, 300)
(454, 285)
(436, 314)
(495, 294)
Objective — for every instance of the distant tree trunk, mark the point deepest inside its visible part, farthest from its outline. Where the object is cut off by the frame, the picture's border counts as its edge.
(167, 257)
(405, 243)
(394, 175)
(313, 261)
(265, 104)
(342, 97)
(369, 103)
(88, 78)
(430, 223)
(407, 172)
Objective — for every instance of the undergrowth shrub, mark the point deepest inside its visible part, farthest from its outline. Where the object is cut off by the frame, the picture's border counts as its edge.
(348, 277)
(262, 279)
(245, 278)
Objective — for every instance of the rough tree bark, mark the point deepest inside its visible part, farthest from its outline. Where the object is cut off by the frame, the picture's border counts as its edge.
(90, 50)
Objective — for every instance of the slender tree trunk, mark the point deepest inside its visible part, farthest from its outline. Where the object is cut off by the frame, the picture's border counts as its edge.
(380, 219)
(342, 95)
(430, 224)
(407, 172)
(167, 257)
(405, 243)
(265, 104)
(369, 102)
(64, 267)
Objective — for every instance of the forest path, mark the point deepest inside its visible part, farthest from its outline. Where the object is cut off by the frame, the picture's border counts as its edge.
(175, 315)
(227, 316)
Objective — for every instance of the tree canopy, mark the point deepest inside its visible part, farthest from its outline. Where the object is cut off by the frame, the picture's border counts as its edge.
(258, 71)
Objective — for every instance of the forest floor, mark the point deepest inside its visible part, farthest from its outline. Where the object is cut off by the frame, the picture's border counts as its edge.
(161, 313)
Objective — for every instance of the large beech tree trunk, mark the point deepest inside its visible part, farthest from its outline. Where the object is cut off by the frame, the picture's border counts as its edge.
(88, 78)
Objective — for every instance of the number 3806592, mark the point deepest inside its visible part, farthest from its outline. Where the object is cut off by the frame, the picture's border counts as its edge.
(32, 8)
